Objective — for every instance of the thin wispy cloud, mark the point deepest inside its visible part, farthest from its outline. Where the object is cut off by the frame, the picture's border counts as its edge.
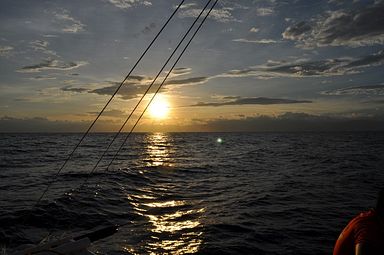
(72, 89)
(219, 15)
(257, 41)
(126, 4)
(253, 101)
(42, 78)
(68, 23)
(181, 71)
(310, 68)
(369, 90)
(110, 113)
(5, 50)
(264, 11)
(51, 64)
(188, 81)
(42, 46)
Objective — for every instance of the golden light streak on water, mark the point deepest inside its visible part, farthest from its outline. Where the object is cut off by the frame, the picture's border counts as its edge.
(174, 223)
(158, 150)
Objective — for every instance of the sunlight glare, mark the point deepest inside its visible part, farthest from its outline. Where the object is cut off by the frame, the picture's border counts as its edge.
(159, 108)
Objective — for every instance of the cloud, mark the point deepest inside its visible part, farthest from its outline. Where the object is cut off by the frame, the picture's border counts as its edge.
(126, 92)
(258, 41)
(181, 71)
(5, 50)
(310, 68)
(42, 45)
(286, 122)
(358, 27)
(220, 15)
(42, 78)
(297, 31)
(39, 44)
(186, 6)
(293, 122)
(148, 29)
(136, 85)
(110, 113)
(264, 11)
(254, 30)
(371, 90)
(68, 23)
(71, 89)
(39, 124)
(188, 81)
(52, 64)
(253, 101)
(126, 4)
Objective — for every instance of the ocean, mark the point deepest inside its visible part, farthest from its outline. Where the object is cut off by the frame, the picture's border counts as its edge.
(200, 193)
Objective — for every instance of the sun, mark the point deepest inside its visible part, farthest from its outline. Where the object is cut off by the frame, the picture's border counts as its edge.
(159, 108)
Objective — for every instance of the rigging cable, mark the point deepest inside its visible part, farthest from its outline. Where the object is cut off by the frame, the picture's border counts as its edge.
(103, 109)
(162, 83)
(145, 93)
(158, 89)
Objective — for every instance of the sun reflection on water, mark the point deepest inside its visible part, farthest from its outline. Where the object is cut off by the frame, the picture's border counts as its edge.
(158, 150)
(173, 224)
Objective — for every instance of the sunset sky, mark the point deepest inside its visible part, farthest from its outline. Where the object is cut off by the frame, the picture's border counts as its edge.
(254, 66)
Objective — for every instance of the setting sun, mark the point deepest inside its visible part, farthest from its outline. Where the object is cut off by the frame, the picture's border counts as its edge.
(159, 108)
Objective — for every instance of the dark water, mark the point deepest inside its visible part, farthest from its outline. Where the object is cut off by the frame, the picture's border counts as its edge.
(273, 193)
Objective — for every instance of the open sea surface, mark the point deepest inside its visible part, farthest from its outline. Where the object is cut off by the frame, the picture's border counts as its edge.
(253, 193)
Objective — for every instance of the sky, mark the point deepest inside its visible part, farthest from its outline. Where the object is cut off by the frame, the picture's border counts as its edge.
(263, 65)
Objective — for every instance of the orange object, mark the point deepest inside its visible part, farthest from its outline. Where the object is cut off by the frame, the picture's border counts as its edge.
(364, 229)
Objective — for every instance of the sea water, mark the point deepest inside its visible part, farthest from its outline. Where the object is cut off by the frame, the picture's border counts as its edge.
(204, 193)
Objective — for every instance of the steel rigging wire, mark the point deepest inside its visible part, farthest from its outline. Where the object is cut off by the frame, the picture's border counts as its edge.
(148, 89)
(162, 83)
(158, 89)
(103, 109)
(156, 92)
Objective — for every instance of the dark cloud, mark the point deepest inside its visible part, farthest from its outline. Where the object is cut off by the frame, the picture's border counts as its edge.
(371, 90)
(181, 71)
(375, 101)
(136, 86)
(297, 31)
(111, 113)
(148, 29)
(374, 59)
(127, 91)
(362, 26)
(294, 122)
(138, 78)
(188, 81)
(287, 122)
(71, 89)
(254, 101)
(38, 124)
(42, 77)
(308, 68)
(51, 64)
